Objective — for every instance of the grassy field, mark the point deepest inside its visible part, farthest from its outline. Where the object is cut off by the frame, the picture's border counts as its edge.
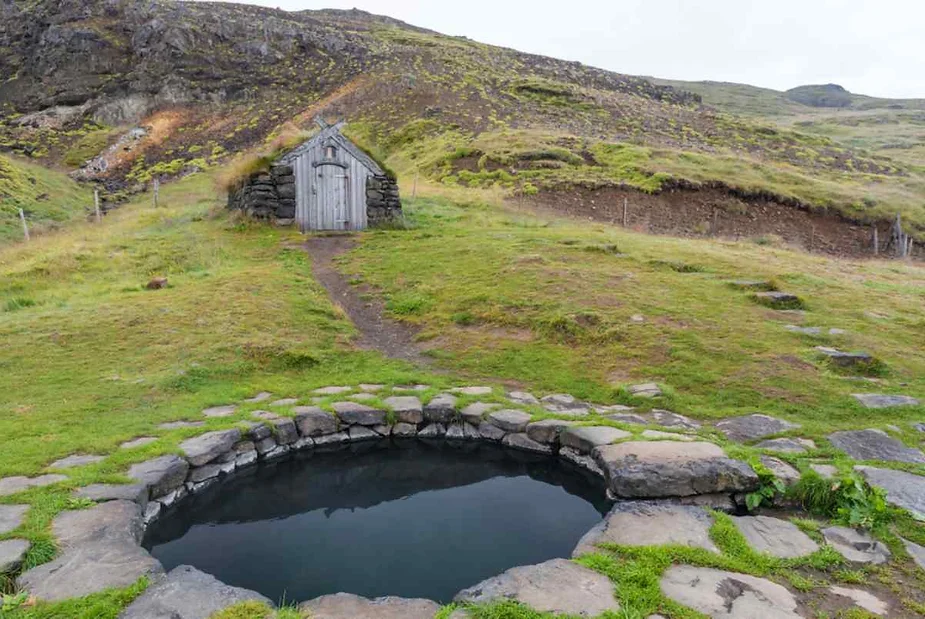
(92, 359)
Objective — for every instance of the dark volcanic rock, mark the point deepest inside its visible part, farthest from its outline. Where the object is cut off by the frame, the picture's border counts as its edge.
(875, 445)
(752, 427)
(161, 475)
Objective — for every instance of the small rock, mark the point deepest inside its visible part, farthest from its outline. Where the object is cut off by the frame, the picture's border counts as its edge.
(580, 460)
(152, 512)
(637, 318)
(875, 445)
(787, 445)
(209, 446)
(874, 400)
(525, 443)
(332, 390)
(263, 396)
(204, 473)
(362, 433)
(12, 553)
(845, 359)
(557, 586)
(337, 438)
(670, 436)
(264, 415)
(383, 430)
(727, 595)
(751, 284)
(285, 431)
(349, 606)
(257, 431)
(586, 438)
(916, 552)
(750, 427)
(265, 446)
(12, 517)
(353, 413)
(815, 331)
(645, 390)
(284, 402)
(781, 470)
(220, 411)
(408, 409)
(75, 461)
(475, 413)
(826, 471)
(472, 390)
(565, 404)
(778, 300)
(404, 430)
(434, 430)
(137, 493)
(138, 442)
(856, 546)
(471, 432)
(455, 432)
(158, 283)
(441, 409)
(862, 599)
(637, 523)
(523, 398)
(180, 425)
(904, 490)
(510, 420)
(548, 430)
(775, 537)
(249, 457)
(160, 475)
(312, 421)
(490, 431)
(14, 485)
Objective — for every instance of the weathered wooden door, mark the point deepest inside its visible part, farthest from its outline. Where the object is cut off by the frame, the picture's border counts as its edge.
(331, 186)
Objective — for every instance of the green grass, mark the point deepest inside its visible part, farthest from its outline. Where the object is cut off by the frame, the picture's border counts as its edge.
(49, 199)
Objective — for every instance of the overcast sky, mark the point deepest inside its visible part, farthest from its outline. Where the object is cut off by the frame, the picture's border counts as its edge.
(874, 47)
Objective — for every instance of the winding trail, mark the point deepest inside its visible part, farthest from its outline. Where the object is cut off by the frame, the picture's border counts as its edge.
(377, 332)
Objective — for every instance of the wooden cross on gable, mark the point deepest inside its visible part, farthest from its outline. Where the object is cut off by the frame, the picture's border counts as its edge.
(321, 122)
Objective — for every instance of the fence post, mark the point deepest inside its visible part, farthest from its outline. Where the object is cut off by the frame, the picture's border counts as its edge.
(625, 208)
(25, 226)
(876, 241)
(96, 205)
(157, 187)
(414, 189)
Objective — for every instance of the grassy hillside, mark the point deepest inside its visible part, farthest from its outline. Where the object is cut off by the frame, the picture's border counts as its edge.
(49, 199)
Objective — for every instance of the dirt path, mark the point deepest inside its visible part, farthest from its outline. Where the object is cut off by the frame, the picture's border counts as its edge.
(377, 332)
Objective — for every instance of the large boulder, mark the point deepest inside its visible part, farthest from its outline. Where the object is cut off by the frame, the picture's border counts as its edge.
(639, 523)
(727, 595)
(349, 606)
(905, 490)
(209, 446)
(666, 469)
(875, 445)
(187, 593)
(557, 586)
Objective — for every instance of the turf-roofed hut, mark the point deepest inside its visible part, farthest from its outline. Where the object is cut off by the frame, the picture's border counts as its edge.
(326, 183)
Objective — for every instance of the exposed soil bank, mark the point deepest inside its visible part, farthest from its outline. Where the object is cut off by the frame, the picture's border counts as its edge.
(714, 212)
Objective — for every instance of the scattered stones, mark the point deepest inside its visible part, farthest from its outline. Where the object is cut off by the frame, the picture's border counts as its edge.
(862, 599)
(826, 471)
(557, 586)
(12, 553)
(160, 475)
(441, 409)
(312, 421)
(100, 550)
(781, 470)
(674, 420)
(727, 595)
(662, 469)
(565, 404)
(138, 442)
(875, 445)
(407, 408)
(181, 425)
(263, 396)
(75, 461)
(472, 390)
(285, 402)
(354, 413)
(220, 411)
(349, 606)
(778, 300)
(856, 546)
(775, 537)
(639, 523)
(13, 485)
(670, 436)
(875, 400)
(187, 593)
(137, 493)
(645, 390)
(434, 430)
(916, 552)
(523, 398)
(905, 490)
(787, 445)
(332, 390)
(510, 420)
(525, 443)
(751, 427)
(475, 413)
(586, 438)
(209, 446)
(548, 430)
(12, 517)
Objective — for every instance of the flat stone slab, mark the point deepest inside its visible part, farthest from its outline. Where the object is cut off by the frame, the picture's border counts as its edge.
(862, 599)
(787, 445)
(332, 390)
(138, 442)
(586, 438)
(226, 410)
(523, 398)
(669, 419)
(472, 390)
(75, 461)
(12, 517)
(916, 552)
(727, 595)
(632, 418)
(844, 359)
(14, 485)
(875, 445)
(410, 387)
(525, 443)
(775, 537)
(665, 469)
(645, 390)
(510, 420)
(181, 425)
(668, 436)
(209, 446)
(640, 523)
(284, 402)
(187, 593)
(371, 387)
(558, 586)
(137, 493)
(856, 546)
(100, 550)
(354, 413)
(349, 606)
(905, 490)
(778, 300)
(161, 475)
(12, 553)
(407, 408)
(565, 404)
(263, 396)
(751, 427)
(876, 400)
(475, 413)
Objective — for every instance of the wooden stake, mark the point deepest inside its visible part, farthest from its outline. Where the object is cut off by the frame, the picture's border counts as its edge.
(812, 237)
(25, 226)
(625, 208)
(157, 188)
(96, 205)
(876, 241)
(414, 189)
(715, 220)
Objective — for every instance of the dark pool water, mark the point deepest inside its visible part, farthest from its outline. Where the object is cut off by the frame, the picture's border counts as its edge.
(411, 520)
